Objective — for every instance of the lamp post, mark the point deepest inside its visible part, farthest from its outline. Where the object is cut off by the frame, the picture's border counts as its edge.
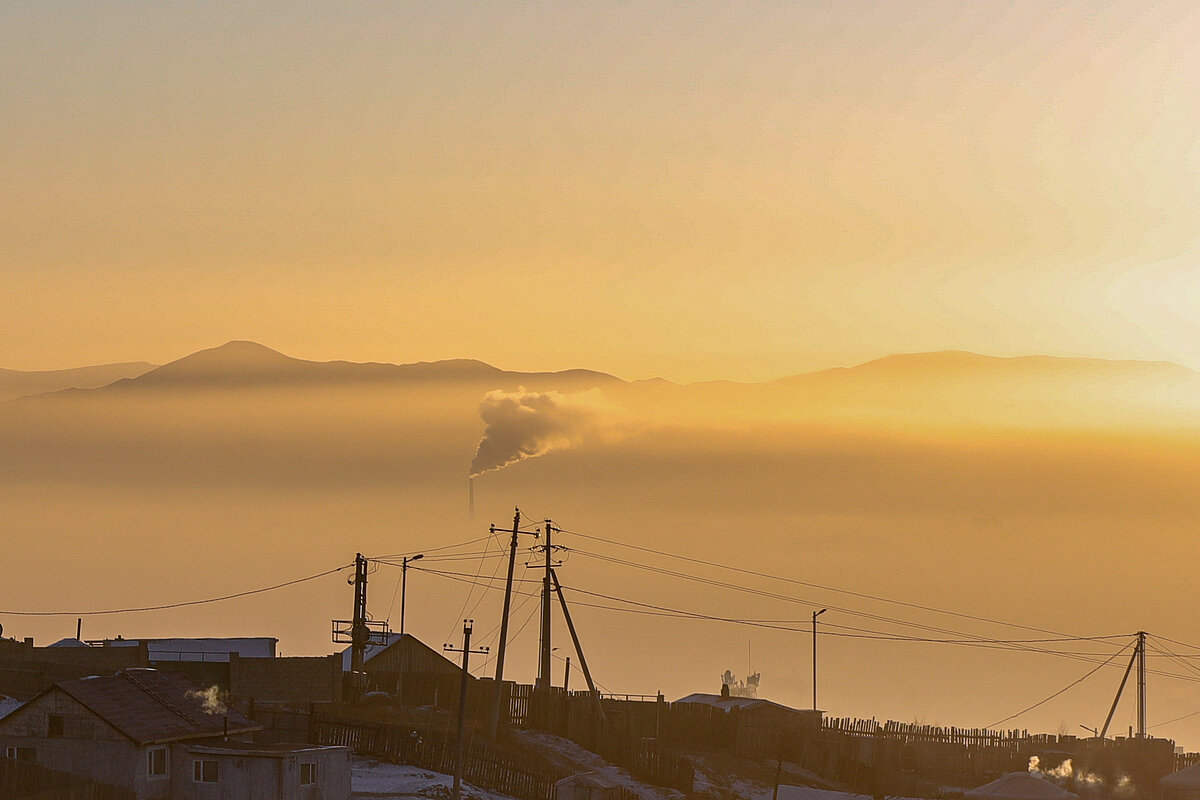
(814, 637)
(404, 584)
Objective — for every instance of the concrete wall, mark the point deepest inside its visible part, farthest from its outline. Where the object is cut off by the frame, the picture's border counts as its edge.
(26, 670)
(297, 680)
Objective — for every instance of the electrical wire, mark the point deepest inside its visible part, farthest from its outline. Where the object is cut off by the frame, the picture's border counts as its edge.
(166, 606)
(809, 584)
(1070, 685)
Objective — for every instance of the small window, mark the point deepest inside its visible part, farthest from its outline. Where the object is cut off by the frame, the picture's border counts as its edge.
(308, 774)
(156, 762)
(54, 727)
(20, 753)
(204, 771)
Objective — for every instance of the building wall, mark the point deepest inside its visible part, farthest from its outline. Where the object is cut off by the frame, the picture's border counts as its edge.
(26, 670)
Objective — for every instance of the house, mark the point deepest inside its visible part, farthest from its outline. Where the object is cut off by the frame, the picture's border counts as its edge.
(163, 737)
(762, 712)
(206, 649)
(412, 670)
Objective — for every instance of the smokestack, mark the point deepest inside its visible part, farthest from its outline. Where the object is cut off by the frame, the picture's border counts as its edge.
(471, 498)
(79, 629)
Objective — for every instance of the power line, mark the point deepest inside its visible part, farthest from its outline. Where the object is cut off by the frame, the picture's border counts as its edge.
(1070, 685)
(786, 598)
(176, 605)
(809, 584)
(783, 625)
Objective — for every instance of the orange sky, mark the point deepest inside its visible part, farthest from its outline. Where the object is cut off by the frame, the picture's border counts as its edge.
(694, 191)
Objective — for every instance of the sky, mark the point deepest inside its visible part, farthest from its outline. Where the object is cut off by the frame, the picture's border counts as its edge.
(688, 190)
(693, 191)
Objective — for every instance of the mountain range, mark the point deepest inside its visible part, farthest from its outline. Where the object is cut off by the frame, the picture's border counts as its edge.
(940, 388)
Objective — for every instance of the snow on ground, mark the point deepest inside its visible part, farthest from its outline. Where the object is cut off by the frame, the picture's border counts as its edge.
(715, 784)
(581, 760)
(381, 780)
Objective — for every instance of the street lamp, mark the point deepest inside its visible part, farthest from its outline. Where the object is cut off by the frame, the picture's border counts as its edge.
(814, 637)
(404, 584)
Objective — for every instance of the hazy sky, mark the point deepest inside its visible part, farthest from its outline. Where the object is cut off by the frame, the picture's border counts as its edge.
(694, 190)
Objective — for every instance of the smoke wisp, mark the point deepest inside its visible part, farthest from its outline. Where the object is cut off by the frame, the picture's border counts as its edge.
(212, 700)
(524, 424)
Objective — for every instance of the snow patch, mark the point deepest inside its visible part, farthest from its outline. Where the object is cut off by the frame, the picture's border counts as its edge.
(381, 780)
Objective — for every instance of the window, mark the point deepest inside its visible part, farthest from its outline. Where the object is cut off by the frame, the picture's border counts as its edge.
(204, 771)
(156, 762)
(54, 727)
(20, 753)
(308, 774)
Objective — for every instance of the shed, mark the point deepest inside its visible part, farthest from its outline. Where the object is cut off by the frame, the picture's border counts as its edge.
(1020, 786)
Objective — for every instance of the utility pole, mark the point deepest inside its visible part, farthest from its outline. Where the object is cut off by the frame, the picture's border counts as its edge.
(494, 721)
(404, 584)
(543, 681)
(360, 633)
(814, 638)
(567, 675)
(466, 651)
(1141, 694)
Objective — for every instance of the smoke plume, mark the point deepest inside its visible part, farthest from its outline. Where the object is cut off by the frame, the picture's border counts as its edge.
(212, 699)
(524, 424)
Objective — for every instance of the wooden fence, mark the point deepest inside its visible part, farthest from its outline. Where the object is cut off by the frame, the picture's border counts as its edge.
(912, 733)
(25, 779)
(483, 765)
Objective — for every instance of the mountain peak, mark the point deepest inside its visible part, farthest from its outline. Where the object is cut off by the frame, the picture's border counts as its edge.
(235, 359)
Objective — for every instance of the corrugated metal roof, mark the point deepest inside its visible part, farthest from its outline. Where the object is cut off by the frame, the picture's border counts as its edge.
(150, 706)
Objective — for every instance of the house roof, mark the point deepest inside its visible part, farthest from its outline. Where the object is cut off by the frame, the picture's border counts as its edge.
(1020, 786)
(728, 703)
(1186, 778)
(262, 750)
(149, 706)
(370, 651)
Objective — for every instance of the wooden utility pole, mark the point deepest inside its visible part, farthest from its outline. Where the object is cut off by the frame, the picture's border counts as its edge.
(360, 632)
(543, 681)
(1141, 693)
(466, 651)
(494, 720)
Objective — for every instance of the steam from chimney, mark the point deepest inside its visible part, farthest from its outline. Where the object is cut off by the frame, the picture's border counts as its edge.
(212, 700)
(524, 424)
